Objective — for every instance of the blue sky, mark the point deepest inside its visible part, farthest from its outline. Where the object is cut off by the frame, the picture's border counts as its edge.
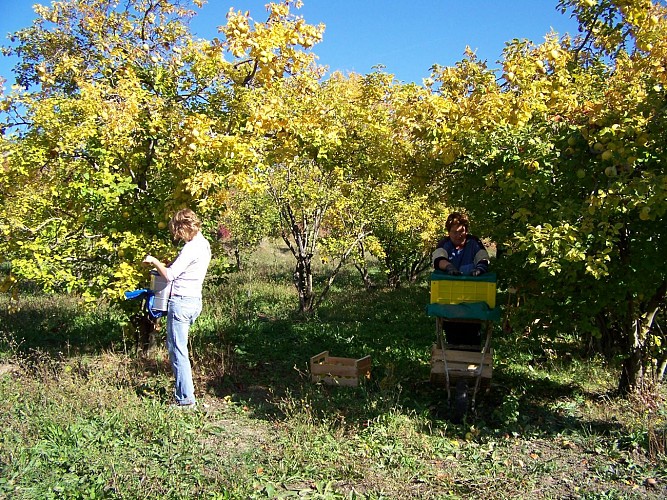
(405, 36)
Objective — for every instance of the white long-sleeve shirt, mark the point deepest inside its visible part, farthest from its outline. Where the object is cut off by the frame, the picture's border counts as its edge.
(187, 272)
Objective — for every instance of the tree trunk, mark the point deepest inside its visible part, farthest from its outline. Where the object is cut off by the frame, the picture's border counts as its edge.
(394, 270)
(239, 261)
(303, 281)
(146, 330)
(418, 264)
(637, 335)
(662, 368)
(634, 339)
(301, 236)
(365, 277)
(605, 343)
(393, 279)
(631, 341)
(301, 242)
(363, 268)
(632, 372)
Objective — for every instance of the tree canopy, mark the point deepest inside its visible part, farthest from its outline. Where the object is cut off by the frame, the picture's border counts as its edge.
(119, 116)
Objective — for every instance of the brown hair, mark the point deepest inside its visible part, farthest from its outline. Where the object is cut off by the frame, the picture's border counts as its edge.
(457, 219)
(184, 225)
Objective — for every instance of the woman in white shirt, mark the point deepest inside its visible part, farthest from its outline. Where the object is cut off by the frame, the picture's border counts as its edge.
(186, 276)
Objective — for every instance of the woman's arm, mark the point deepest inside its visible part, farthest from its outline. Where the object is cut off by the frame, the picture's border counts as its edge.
(161, 268)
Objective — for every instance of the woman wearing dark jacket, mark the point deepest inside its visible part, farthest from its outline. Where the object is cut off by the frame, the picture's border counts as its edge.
(461, 253)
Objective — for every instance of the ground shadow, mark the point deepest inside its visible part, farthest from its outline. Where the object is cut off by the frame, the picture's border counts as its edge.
(267, 358)
(47, 325)
(390, 325)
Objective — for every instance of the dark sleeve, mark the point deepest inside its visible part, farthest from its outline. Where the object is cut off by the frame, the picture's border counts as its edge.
(440, 253)
(481, 259)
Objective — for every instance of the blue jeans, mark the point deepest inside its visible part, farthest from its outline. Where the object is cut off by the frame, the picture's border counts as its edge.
(183, 311)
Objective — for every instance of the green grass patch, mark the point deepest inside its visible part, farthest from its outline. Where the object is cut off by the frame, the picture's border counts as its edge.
(83, 416)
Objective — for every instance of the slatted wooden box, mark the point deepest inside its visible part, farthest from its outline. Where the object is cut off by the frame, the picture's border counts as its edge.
(339, 371)
(460, 364)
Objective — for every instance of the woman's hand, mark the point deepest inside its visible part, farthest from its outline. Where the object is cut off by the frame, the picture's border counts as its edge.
(152, 261)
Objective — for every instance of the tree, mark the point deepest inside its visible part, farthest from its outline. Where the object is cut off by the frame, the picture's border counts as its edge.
(90, 141)
(317, 144)
(119, 118)
(406, 225)
(570, 179)
(248, 218)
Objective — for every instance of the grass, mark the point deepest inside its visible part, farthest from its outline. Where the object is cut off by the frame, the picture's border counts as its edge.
(85, 417)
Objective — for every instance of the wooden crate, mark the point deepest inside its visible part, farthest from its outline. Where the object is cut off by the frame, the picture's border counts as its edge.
(460, 364)
(339, 371)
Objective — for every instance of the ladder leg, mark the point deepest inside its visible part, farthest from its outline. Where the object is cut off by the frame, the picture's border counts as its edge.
(439, 327)
(485, 351)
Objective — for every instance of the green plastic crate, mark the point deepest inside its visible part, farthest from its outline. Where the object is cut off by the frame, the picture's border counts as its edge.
(446, 289)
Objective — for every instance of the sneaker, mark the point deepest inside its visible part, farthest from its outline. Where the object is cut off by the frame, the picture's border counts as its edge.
(180, 406)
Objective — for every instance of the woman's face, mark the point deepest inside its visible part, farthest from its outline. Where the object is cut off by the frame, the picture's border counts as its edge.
(458, 233)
